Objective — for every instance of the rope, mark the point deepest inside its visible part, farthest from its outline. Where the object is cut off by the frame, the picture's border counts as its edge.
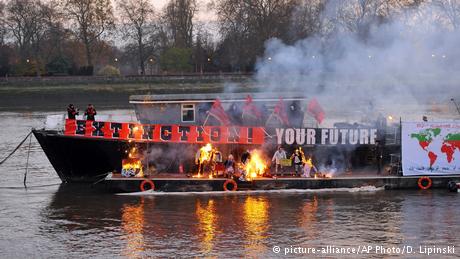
(100, 180)
(20, 144)
(27, 163)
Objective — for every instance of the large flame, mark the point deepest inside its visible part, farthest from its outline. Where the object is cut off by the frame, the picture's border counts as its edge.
(256, 165)
(206, 153)
(205, 156)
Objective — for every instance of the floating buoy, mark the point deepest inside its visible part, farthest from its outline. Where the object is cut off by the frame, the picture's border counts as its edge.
(233, 183)
(147, 185)
(424, 182)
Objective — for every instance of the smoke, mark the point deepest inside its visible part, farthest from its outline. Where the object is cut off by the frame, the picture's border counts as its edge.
(168, 158)
(401, 68)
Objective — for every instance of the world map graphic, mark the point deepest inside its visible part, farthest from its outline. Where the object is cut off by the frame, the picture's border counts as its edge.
(450, 143)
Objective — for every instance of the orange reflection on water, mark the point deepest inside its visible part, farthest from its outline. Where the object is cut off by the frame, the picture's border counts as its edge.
(307, 218)
(255, 216)
(132, 222)
(206, 215)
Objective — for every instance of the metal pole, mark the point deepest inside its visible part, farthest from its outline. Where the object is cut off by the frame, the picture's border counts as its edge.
(456, 105)
(400, 170)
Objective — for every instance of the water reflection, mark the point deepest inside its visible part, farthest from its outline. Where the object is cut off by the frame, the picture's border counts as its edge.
(240, 225)
(255, 218)
(307, 217)
(207, 217)
(132, 223)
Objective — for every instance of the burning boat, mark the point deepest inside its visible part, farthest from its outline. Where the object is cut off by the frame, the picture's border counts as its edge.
(171, 128)
(191, 138)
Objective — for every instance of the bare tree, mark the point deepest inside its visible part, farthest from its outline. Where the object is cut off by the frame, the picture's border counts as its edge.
(91, 19)
(246, 24)
(307, 19)
(357, 16)
(179, 15)
(451, 11)
(2, 23)
(203, 49)
(137, 17)
(26, 21)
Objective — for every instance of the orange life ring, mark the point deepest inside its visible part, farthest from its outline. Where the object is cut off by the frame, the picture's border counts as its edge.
(421, 180)
(235, 186)
(149, 182)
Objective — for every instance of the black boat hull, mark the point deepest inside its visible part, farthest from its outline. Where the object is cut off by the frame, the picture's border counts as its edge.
(89, 159)
(79, 159)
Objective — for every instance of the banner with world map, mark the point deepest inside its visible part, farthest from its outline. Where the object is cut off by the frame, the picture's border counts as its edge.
(430, 148)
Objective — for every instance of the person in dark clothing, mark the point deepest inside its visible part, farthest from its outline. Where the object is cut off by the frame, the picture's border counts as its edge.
(90, 112)
(72, 112)
(245, 157)
(297, 159)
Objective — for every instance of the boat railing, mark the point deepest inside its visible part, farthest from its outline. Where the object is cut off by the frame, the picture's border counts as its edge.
(57, 121)
(395, 164)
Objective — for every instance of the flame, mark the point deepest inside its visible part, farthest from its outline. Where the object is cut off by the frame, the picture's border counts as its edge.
(133, 164)
(256, 165)
(302, 155)
(132, 153)
(205, 156)
(206, 153)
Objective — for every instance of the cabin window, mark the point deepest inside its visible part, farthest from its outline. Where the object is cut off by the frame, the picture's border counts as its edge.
(188, 112)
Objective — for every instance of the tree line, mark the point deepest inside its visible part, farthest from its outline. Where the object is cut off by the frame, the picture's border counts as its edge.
(86, 37)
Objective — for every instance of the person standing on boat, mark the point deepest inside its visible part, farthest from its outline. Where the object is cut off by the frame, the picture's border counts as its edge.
(229, 166)
(199, 162)
(279, 154)
(297, 159)
(72, 112)
(90, 112)
(309, 169)
(245, 157)
(216, 162)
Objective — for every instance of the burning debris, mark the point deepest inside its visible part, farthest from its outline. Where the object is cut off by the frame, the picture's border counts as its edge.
(132, 167)
(255, 166)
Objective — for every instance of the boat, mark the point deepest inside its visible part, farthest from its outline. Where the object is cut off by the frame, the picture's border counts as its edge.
(170, 128)
(159, 150)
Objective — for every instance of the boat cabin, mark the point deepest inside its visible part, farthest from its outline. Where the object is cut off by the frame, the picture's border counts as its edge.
(242, 109)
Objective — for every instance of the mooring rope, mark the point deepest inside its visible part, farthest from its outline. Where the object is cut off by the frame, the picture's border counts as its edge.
(100, 180)
(27, 162)
(20, 144)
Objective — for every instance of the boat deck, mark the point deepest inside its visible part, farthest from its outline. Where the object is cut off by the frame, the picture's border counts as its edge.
(189, 184)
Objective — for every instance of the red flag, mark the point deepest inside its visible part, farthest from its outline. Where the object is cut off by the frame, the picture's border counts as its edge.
(280, 112)
(218, 112)
(250, 109)
(316, 110)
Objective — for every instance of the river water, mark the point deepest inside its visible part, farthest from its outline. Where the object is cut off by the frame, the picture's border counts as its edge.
(49, 220)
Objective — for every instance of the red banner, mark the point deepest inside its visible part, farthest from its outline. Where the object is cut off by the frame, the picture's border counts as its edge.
(165, 133)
